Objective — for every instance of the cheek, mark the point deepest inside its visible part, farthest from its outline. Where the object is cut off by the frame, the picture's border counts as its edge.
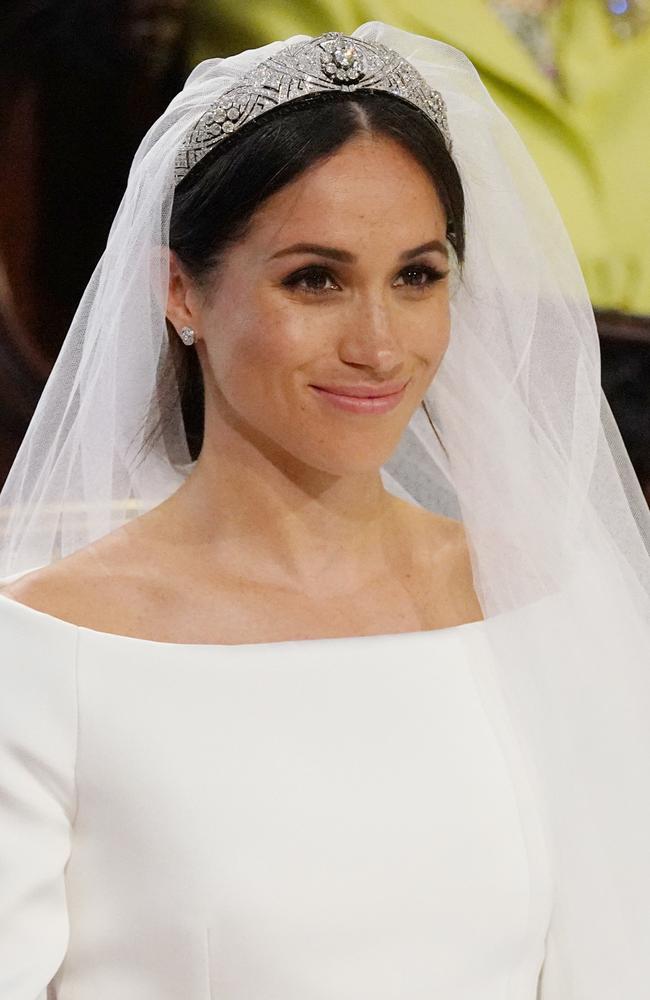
(433, 334)
(256, 348)
(273, 342)
(444, 334)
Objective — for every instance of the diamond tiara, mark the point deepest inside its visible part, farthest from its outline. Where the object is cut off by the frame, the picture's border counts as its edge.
(328, 63)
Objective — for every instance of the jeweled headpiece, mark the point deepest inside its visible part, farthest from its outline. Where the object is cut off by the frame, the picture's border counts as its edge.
(329, 62)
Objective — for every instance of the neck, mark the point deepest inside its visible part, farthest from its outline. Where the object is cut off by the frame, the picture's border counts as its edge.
(269, 518)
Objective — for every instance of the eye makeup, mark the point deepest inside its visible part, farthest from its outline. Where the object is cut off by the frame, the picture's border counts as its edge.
(310, 279)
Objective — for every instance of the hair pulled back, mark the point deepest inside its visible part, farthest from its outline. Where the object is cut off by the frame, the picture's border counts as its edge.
(214, 204)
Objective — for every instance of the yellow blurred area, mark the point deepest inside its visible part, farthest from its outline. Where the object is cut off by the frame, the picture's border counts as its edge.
(591, 139)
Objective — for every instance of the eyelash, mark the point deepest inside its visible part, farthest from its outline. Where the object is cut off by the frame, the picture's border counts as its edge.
(293, 281)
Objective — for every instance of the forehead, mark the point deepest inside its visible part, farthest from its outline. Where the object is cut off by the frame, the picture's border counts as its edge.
(371, 189)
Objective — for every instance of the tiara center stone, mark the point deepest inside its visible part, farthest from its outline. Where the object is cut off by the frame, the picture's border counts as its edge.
(342, 62)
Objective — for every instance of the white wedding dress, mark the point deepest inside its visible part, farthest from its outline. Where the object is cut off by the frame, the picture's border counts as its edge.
(325, 819)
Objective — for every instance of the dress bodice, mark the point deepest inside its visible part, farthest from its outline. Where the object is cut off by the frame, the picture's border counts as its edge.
(327, 819)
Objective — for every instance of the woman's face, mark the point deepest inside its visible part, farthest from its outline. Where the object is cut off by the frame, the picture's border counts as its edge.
(339, 282)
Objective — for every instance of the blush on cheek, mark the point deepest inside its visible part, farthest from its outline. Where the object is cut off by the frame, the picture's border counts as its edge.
(280, 351)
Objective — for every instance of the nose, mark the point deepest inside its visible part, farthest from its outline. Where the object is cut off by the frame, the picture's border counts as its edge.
(371, 337)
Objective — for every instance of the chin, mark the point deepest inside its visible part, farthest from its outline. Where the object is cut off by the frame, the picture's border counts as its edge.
(352, 461)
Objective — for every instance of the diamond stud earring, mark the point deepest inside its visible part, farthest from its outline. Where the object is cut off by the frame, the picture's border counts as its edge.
(187, 335)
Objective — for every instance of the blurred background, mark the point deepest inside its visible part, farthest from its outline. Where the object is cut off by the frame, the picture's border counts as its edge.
(82, 80)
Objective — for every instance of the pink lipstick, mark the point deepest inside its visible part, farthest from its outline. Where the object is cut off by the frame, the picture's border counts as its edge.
(379, 399)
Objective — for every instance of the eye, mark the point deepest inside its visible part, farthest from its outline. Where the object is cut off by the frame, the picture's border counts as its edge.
(421, 275)
(311, 279)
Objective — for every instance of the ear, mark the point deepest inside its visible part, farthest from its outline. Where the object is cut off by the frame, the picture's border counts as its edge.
(182, 297)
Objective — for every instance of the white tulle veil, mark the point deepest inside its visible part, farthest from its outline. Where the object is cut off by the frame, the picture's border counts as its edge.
(532, 463)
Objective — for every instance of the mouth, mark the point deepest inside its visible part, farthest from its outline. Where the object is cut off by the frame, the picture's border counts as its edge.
(352, 401)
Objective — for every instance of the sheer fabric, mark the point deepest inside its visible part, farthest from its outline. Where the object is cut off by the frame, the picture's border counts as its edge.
(533, 464)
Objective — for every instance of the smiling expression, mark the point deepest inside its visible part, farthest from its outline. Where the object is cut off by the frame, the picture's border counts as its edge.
(340, 281)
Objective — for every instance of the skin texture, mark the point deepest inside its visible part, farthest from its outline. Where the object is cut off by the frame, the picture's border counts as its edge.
(284, 530)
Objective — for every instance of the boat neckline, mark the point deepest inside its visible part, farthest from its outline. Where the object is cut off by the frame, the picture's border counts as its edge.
(115, 636)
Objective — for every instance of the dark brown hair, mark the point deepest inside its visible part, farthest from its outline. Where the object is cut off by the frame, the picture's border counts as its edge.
(215, 202)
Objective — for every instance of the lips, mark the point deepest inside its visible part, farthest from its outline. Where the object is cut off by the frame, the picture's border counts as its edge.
(356, 399)
(364, 391)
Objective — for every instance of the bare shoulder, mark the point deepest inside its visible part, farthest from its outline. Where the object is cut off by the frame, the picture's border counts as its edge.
(451, 538)
(442, 534)
(445, 557)
(449, 546)
(451, 564)
(94, 587)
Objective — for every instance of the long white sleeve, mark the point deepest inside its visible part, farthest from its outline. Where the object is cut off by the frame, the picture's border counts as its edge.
(38, 728)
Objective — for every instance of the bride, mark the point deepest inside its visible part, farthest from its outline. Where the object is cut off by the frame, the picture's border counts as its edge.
(304, 696)
(337, 279)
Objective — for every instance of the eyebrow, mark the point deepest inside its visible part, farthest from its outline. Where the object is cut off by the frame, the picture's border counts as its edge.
(348, 258)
